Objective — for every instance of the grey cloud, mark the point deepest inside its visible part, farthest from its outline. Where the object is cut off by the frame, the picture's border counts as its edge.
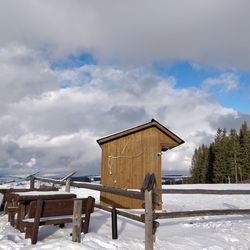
(205, 137)
(126, 115)
(13, 158)
(231, 121)
(49, 160)
(23, 73)
(205, 32)
(54, 129)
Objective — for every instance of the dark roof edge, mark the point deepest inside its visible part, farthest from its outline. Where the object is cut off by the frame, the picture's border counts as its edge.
(124, 131)
(179, 140)
(144, 126)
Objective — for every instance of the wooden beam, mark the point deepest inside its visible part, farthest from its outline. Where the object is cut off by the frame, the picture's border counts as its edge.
(68, 176)
(124, 192)
(31, 175)
(149, 241)
(122, 213)
(202, 191)
(168, 215)
(114, 223)
(77, 220)
(67, 185)
(32, 182)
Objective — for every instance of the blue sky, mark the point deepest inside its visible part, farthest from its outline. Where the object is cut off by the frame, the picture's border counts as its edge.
(189, 75)
(74, 61)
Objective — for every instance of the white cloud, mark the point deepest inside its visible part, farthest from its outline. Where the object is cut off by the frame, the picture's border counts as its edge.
(227, 82)
(206, 32)
(31, 163)
(58, 127)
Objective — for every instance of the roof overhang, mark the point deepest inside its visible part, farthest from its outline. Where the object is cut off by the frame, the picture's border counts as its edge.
(152, 123)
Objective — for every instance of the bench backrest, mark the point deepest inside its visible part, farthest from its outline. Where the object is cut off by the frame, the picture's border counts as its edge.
(60, 207)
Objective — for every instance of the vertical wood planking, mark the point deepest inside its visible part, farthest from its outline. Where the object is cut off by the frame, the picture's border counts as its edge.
(128, 171)
(104, 171)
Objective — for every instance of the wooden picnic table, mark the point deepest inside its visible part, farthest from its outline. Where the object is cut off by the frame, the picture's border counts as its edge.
(7, 190)
(22, 200)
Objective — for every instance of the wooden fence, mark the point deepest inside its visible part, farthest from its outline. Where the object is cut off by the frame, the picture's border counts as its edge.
(146, 194)
(149, 194)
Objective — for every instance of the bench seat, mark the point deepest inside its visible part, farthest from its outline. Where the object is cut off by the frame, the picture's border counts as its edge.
(54, 212)
(52, 218)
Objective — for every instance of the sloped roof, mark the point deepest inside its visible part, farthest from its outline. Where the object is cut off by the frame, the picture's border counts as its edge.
(152, 123)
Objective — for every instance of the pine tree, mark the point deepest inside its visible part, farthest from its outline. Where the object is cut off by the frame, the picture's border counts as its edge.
(199, 165)
(234, 156)
(226, 159)
(220, 154)
(204, 162)
(245, 151)
(210, 164)
(195, 167)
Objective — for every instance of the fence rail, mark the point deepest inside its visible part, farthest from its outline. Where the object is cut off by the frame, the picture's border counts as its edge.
(149, 194)
(127, 193)
(168, 215)
(122, 213)
(203, 191)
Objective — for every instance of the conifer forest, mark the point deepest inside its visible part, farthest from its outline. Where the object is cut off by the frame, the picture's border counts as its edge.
(225, 160)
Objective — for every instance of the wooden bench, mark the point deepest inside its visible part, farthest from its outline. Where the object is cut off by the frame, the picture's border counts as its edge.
(55, 212)
(10, 206)
(21, 203)
(6, 202)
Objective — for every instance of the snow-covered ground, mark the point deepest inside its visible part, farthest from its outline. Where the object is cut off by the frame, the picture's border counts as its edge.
(211, 233)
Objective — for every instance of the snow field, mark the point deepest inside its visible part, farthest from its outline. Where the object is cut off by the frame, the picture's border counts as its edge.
(206, 233)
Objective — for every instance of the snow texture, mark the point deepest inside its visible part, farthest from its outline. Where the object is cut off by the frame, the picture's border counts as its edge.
(203, 233)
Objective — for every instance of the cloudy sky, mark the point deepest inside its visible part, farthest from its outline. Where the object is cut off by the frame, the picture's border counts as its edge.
(74, 71)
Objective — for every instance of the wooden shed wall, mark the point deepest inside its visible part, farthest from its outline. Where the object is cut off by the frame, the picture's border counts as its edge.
(126, 160)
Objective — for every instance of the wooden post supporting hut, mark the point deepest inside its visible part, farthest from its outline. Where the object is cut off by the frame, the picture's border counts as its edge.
(129, 155)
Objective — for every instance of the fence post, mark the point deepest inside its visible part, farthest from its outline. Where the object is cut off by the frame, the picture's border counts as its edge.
(150, 202)
(77, 223)
(114, 224)
(149, 239)
(32, 182)
(67, 186)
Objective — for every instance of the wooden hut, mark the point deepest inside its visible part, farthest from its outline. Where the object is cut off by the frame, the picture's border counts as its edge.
(129, 155)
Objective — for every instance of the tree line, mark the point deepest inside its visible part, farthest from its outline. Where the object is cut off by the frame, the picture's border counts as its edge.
(225, 160)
